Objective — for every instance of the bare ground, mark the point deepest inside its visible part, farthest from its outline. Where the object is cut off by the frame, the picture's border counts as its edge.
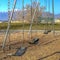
(48, 47)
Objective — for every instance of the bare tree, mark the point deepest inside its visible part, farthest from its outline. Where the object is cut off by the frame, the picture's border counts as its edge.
(28, 11)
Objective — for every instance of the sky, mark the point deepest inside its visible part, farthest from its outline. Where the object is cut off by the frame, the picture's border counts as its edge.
(4, 5)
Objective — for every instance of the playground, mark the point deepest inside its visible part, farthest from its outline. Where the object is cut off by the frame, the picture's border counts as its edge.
(38, 40)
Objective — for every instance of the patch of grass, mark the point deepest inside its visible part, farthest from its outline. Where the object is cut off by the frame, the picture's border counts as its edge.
(26, 26)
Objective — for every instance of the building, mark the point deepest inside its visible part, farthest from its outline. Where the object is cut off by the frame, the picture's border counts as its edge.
(0, 21)
(57, 20)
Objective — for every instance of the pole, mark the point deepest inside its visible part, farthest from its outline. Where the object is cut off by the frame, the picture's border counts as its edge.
(32, 20)
(23, 16)
(6, 34)
(53, 16)
(9, 18)
(31, 17)
(49, 13)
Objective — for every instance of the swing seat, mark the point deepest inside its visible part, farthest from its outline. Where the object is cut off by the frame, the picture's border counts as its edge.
(49, 30)
(34, 41)
(46, 32)
(20, 51)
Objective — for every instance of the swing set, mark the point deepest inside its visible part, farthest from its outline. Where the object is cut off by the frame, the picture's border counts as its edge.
(35, 40)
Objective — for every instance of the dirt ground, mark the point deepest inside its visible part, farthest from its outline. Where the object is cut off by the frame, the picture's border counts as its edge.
(48, 47)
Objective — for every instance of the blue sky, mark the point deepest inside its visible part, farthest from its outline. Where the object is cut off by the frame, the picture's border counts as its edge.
(4, 5)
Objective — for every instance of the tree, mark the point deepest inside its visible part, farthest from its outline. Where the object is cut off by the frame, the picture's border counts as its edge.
(28, 11)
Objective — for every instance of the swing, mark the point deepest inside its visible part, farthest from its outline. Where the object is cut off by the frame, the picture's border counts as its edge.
(20, 51)
(34, 41)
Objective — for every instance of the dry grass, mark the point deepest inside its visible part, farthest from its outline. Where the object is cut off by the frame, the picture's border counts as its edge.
(46, 49)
